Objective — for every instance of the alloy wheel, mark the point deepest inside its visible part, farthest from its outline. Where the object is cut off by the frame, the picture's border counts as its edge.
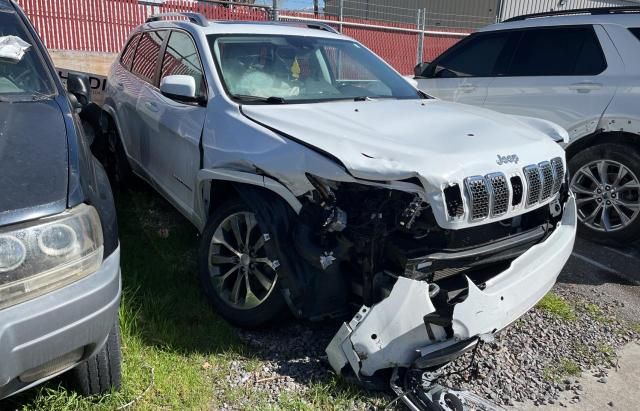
(607, 195)
(242, 274)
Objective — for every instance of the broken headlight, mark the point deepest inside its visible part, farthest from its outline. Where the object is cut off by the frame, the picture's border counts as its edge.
(46, 254)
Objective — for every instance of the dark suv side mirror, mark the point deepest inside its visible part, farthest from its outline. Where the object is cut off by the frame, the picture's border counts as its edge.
(79, 89)
(421, 68)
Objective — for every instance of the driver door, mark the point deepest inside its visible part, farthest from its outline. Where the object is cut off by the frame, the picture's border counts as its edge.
(463, 73)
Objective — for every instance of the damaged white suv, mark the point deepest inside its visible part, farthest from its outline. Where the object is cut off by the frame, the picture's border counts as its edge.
(319, 178)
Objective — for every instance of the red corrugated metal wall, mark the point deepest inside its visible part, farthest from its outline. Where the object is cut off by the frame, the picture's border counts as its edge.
(104, 25)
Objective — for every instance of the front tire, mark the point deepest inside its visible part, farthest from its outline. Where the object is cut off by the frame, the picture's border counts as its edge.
(240, 277)
(606, 182)
(101, 373)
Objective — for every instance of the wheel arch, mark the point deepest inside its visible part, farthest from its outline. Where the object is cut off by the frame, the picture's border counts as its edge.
(215, 185)
(603, 137)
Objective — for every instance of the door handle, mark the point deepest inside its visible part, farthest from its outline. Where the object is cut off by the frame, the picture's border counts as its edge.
(585, 87)
(151, 106)
(120, 85)
(468, 88)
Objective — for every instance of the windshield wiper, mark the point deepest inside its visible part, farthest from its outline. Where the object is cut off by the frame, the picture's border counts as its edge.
(268, 100)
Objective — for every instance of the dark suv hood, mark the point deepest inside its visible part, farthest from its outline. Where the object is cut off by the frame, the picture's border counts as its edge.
(33, 160)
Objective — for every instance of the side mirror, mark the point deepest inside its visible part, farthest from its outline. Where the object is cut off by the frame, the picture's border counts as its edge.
(79, 88)
(180, 88)
(420, 69)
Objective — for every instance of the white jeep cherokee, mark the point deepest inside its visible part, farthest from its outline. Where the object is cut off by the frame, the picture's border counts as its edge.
(320, 177)
(579, 69)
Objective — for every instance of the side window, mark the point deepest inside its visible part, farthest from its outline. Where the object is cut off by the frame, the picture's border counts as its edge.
(146, 58)
(476, 57)
(181, 57)
(130, 49)
(558, 52)
(636, 32)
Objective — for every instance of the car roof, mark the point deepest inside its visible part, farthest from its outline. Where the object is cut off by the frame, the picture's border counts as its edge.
(249, 27)
(622, 19)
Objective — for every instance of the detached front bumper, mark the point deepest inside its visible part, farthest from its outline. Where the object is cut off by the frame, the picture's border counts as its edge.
(58, 330)
(394, 333)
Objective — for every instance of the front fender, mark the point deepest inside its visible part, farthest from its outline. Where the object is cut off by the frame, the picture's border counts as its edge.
(205, 177)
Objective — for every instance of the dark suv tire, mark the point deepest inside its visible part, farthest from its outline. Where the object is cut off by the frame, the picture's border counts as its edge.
(102, 372)
(239, 276)
(605, 179)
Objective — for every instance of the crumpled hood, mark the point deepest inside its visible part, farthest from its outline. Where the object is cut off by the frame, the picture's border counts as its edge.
(398, 139)
(33, 160)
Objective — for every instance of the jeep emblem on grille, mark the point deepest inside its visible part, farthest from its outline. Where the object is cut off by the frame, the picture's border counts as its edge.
(507, 159)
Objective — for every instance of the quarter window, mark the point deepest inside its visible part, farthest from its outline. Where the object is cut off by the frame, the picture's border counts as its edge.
(636, 32)
(181, 57)
(129, 51)
(146, 58)
(476, 57)
(572, 51)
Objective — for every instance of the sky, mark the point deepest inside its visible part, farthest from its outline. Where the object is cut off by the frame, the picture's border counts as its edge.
(299, 4)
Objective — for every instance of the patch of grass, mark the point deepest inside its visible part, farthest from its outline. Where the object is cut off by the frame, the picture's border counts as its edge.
(595, 312)
(565, 368)
(557, 306)
(171, 335)
(636, 328)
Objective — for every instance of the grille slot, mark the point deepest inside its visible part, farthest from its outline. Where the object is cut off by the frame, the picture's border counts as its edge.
(453, 198)
(518, 190)
(534, 184)
(558, 171)
(500, 191)
(546, 174)
(478, 196)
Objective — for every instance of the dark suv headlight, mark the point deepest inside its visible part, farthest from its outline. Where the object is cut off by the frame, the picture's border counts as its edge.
(47, 254)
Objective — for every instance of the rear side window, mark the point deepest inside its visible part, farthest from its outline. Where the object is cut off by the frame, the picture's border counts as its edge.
(571, 51)
(145, 61)
(181, 57)
(129, 50)
(476, 57)
(636, 32)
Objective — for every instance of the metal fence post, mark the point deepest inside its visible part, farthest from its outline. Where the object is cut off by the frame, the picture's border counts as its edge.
(420, 25)
(341, 15)
(274, 11)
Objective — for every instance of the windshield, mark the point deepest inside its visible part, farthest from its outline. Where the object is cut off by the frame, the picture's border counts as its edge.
(22, 74)
(295, 69)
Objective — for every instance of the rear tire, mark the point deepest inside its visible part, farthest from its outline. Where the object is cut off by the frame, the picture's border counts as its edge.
(608, 206)
(240, 278)
(101, 373)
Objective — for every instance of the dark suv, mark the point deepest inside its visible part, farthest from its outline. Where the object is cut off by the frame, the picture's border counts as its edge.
(59, 250)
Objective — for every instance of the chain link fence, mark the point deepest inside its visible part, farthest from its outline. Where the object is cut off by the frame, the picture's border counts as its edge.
(403, 35)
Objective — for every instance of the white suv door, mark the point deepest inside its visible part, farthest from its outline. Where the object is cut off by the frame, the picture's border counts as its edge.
(464, 72)
(561, 74)
(173, 128)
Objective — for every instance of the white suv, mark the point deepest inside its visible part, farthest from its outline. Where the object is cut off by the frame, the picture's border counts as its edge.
(579, 69)
(320, 177)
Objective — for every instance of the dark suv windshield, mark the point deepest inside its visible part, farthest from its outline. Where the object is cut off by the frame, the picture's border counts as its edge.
(296, 69)
(21, 77)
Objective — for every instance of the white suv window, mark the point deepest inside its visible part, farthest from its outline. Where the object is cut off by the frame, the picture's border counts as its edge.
(145, 61)
(181, 57)
(476, 57)
(636, 32)
(565, 51)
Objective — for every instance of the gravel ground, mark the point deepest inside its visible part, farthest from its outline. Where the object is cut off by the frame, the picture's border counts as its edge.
(535, 360)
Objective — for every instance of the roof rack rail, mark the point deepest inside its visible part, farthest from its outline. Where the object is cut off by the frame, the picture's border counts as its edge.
(195, 18)
(592, 11)
(303, 23)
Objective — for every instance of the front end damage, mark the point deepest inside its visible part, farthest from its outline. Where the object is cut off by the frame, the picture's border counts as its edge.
(417, 326)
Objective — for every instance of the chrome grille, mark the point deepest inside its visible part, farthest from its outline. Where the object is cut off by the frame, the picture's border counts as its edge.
(478, 196)
(546, 175)
(500, 191)
(495, 194)
(558, 174)
(534, 184)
